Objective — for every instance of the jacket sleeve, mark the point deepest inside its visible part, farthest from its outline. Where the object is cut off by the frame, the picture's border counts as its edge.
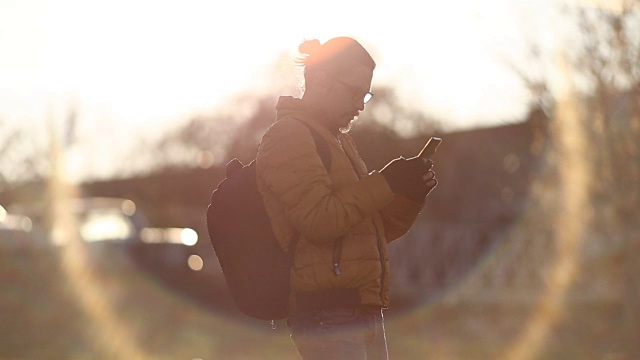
(398, 217)
(291, 169)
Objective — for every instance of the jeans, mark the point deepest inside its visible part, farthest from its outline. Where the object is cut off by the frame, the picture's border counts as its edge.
(343, 333)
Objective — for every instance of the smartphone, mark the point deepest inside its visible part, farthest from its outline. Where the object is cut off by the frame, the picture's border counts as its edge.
(430, 147)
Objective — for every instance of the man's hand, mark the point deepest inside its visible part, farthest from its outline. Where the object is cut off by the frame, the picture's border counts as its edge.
(412, 178)
(429, 178)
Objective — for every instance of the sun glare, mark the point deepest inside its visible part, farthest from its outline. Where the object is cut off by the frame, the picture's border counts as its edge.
(148, 63)
(110, 335)
(569, 226)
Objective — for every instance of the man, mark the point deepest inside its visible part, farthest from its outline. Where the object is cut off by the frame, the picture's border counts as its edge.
(340, 217)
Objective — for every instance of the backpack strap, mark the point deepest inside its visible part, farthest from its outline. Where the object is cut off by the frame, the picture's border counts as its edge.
(325, 155)
(321, 146)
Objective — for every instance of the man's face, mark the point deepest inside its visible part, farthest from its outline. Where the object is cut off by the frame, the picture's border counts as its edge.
(345, 99)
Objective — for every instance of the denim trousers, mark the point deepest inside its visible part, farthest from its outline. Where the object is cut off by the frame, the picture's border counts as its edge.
(342, 333)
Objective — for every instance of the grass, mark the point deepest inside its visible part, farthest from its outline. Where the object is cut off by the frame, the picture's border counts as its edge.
(138, 316)
(42, 317)
(475, 331)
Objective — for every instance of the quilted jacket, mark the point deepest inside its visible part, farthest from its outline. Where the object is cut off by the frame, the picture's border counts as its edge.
(343, 218)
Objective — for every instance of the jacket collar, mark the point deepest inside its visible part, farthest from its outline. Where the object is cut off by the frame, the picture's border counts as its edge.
(288, 106)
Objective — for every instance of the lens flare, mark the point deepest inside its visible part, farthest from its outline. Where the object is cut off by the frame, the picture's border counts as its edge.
(195, 262)
(188, 237)
(569, 222)
(110, 335)
(536, 267)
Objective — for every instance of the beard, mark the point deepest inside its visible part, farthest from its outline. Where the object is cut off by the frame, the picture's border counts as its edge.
(349, 125)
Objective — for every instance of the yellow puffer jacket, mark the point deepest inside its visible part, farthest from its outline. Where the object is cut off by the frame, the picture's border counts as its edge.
(344, 218)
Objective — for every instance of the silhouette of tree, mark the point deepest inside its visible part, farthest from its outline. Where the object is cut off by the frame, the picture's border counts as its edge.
(23, 159)
(607, 56)
(589, 180)
(237, 134)
(603, 51)
(607, 59)
(244, 141)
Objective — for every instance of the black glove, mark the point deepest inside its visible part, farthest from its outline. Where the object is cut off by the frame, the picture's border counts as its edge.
(411, 178)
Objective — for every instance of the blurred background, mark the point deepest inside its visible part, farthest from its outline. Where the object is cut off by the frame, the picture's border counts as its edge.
(116, 120)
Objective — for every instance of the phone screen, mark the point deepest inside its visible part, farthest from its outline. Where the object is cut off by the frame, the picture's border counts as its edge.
(430, 147)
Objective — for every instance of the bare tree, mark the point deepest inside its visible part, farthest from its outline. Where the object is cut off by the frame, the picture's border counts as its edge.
(236, 130)
(607, 56)
(22, 158)
(603, 48)
(607, 60)
(584, 219)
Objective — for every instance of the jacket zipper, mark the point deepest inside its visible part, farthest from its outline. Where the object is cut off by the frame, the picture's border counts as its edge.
(337, 249)
(337, 256)
(383, 265)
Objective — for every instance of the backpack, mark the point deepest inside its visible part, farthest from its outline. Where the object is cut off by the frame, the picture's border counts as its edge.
(255, 267)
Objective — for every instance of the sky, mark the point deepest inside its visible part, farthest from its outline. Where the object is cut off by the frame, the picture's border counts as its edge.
(133, 67)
